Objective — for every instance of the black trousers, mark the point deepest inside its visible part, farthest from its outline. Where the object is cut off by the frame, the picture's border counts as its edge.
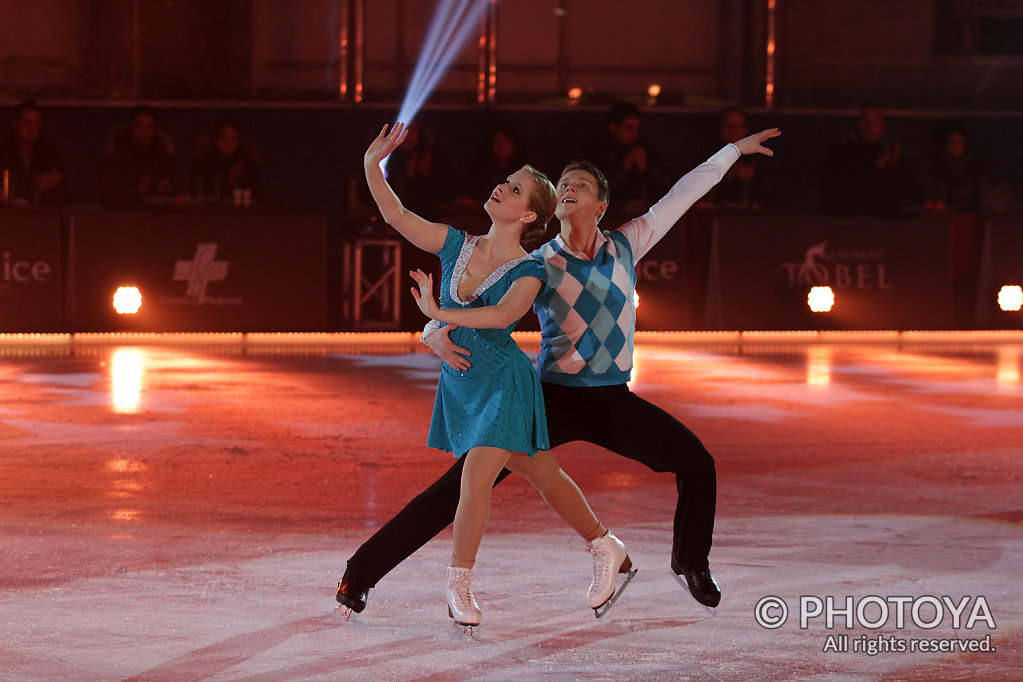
(612, 417)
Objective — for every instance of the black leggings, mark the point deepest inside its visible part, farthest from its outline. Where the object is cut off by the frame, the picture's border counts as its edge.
(612, 417)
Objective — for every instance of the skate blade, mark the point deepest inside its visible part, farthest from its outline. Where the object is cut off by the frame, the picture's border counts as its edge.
(466, 627)
(344, 612)
(601, 610)
(712, 611)
(470, 631)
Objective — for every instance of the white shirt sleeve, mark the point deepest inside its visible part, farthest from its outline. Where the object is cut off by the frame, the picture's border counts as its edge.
(431, 326)
(644, 232)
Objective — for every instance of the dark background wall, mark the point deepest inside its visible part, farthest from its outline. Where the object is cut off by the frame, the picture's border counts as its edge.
(921, 54)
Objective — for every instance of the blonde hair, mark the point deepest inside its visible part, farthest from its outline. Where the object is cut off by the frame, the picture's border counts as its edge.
(542, 201)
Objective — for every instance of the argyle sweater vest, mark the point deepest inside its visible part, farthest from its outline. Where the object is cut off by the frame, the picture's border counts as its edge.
(587, 315)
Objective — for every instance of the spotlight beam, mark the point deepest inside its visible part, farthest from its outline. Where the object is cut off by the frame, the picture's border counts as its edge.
(435, 57)
(440, 18)
(452, 24)
(463, 29)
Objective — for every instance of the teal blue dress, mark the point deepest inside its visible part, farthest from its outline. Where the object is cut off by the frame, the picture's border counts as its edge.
(498, 401)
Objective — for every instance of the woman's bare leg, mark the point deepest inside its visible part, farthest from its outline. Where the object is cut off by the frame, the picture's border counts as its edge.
(482, 465)
(559, 491)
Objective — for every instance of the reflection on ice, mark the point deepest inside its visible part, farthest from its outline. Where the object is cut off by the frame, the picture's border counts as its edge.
(126, 371)
(818, 365)
(125, 465)
(1008, 367)
(125, 515)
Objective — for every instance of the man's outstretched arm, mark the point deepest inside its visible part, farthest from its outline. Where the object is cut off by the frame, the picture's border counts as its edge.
(644, 232)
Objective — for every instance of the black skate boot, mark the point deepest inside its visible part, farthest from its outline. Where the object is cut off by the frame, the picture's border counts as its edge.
(352, 594)
(699, 583)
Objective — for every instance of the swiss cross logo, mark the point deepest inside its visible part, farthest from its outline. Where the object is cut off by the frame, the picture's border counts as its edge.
(201, 270)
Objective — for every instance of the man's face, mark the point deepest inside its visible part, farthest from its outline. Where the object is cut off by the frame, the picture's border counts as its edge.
(28, 126)
(871, 126)
(626, 132)
(502, 147)
(578, 196)
(955, 145)
(733, 127)
(228, 140)
(143, 129)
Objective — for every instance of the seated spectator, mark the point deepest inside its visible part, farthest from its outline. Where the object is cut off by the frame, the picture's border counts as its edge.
(421, 174)
(635, 176)
(752, 181)
(35, 174)
(224, 165)
(953, 178)
(138, 163)
(502, 156)
(864, 173)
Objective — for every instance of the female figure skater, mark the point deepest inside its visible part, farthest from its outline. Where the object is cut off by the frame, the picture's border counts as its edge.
(493, 413)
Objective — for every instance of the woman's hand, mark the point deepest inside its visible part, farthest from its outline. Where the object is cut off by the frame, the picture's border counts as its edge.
(754, 144)
(385, 143)
(424, 295)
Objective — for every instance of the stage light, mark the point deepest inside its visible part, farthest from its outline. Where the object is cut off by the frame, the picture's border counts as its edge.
(1010, 298)
(575, 93)
(127, 300)
(651, 94)
(454, 21)
(821, 299)
(635, 299)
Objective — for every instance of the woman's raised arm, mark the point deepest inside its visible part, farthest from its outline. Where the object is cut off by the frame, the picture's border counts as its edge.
(422, 233)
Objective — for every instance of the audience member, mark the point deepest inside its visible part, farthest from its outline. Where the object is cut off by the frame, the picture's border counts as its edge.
(502, 156)
(864, 173)
(138, 163)
(634, 172)
(35, 174)
(953, 178)
(753, 180)
(224, 164)
(421, 173)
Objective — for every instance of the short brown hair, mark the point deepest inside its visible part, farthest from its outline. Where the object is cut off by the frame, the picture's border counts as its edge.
(542, 201)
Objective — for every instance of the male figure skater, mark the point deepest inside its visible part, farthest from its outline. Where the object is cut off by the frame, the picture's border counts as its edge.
(587, 321)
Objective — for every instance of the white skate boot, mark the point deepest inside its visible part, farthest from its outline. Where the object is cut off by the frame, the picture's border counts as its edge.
(610, 558)
(462, 605)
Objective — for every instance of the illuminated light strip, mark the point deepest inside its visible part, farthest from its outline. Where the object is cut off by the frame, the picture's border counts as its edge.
(453, 23)
(329, 338)
(34, 339)
(771, 49)
(952, 336)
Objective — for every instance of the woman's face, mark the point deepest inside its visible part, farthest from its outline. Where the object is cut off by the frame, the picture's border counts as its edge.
(510, 200)
(227, 140)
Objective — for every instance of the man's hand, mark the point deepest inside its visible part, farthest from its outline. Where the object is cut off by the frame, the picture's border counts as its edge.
(47, 181)
(754, 144)
(636, 159)
(440, 343)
